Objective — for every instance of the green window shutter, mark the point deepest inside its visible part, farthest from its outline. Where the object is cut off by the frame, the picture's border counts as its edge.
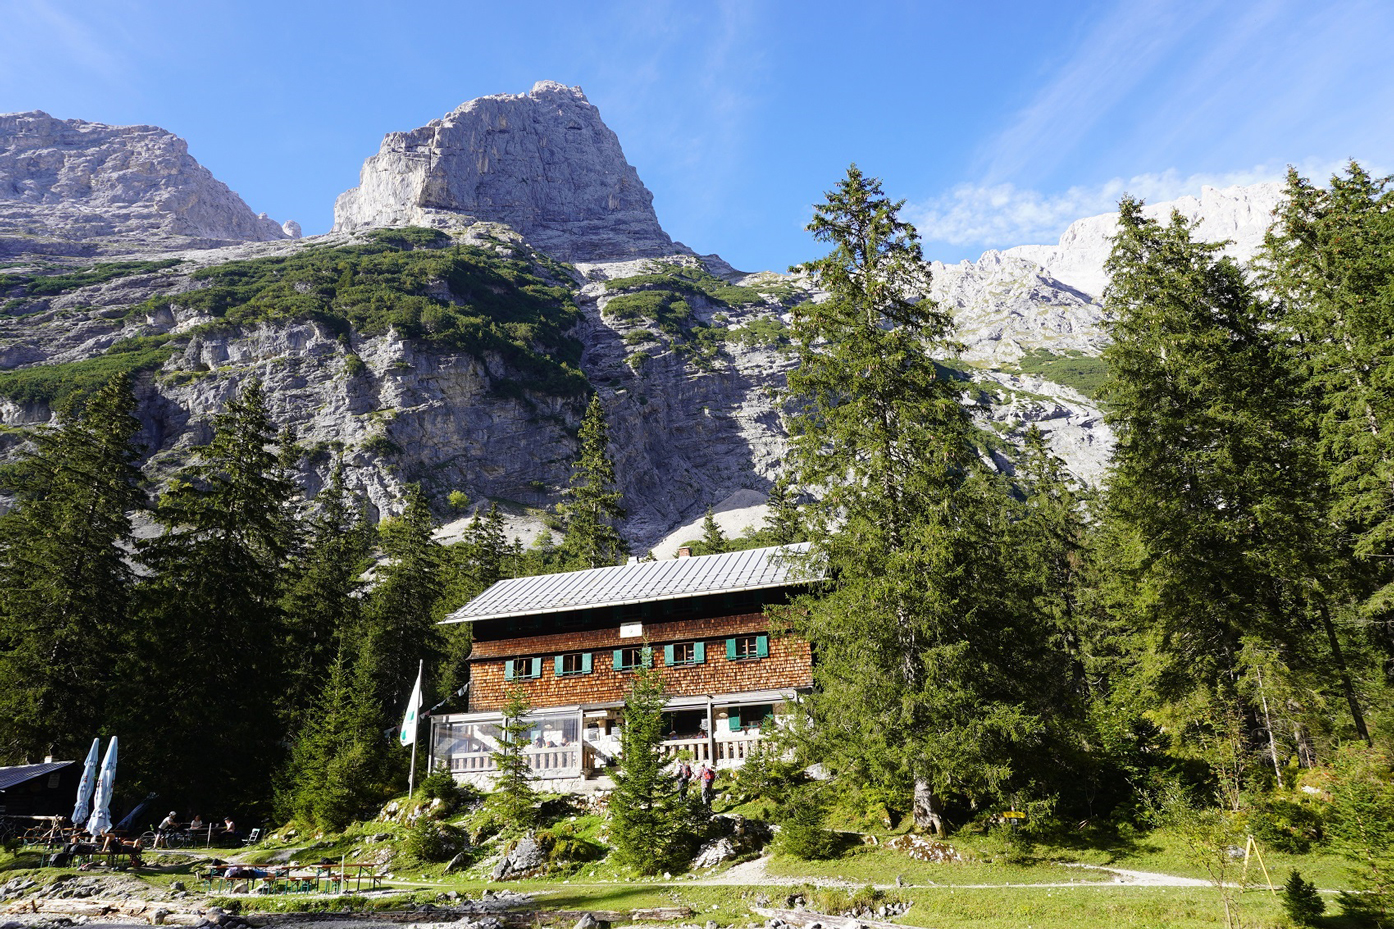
(730, 649)
(762, 646)
(668, 655)
(699, 653)
(619, 659)
(647, 654)
(733, 719)
(508, 669)
(585, 662)
(536, 667)
(556, 662)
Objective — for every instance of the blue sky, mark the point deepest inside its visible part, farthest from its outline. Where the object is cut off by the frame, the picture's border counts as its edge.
(998, 122)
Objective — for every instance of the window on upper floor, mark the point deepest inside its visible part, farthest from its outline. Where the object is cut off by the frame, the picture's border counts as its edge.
(747, 647)
(521, 669)
(627, 659)
(572, 664)
(684, 653)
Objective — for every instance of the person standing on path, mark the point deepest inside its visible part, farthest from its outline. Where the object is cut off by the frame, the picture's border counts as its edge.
(708, 777)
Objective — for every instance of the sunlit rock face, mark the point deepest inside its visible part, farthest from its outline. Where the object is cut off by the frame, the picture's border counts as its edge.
(542, 162)
(70, 186)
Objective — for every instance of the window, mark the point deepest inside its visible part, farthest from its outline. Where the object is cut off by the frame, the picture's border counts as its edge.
(521, 669)
(741, 718)
(685, 653)
(747, 647)
(627, 659)
(573, 664)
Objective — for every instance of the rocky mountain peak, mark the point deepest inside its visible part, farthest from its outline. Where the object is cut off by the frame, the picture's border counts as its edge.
(543, 162)
(66, 184)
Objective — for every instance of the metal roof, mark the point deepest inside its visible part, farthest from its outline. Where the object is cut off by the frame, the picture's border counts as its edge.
(644, 582)
(18, 774)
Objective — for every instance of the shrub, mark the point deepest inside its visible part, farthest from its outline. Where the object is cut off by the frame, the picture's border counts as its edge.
(801, 832)
(431, 840)
(1301, 900)
(353, 365)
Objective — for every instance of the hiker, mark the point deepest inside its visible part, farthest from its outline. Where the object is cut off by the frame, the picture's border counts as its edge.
(708, 777)
(684, 777)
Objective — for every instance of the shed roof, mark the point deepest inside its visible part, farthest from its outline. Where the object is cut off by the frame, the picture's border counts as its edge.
(644, 582)
(15, 775)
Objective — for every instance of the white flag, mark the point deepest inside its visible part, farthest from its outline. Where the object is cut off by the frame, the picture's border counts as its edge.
(408, 733)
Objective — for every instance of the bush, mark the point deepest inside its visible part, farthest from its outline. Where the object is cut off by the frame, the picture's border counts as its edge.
(801, 832)
(1301, 900)
(354, 365)
(1286, 826)
(440, 785)
(431, 840)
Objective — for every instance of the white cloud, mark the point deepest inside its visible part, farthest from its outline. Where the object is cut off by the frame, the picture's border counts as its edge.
(1004, 215)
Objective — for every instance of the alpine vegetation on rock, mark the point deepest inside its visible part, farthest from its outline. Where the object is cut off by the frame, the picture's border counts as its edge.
(542, 162)
(66, 182)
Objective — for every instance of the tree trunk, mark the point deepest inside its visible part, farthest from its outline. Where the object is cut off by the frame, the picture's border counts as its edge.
(1346, 684)
(929, 812)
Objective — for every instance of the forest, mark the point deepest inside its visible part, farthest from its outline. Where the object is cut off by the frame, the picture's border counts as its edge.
(1206, 640)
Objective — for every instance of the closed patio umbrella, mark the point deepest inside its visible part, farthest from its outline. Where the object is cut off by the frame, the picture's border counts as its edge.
(100, 820)
(85, 786)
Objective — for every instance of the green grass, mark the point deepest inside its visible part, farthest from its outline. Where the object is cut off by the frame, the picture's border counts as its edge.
(48, 285)
(55, 383)
(1085, 373)
(413, 281)
(689, 280)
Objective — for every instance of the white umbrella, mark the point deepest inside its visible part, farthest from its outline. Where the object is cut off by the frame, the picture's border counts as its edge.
(100, 821)
(89, 781)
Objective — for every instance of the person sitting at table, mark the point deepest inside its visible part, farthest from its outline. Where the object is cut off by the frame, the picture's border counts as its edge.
(230, 828)
(196, 824)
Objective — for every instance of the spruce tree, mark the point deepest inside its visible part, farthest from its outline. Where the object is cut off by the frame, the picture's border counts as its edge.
(514, 796)
(592, 511)
(784, 525)
(323, 603)
(400, 629)
(646, 814)
(713, 539)
(65, 582)
(924, 681)
(1215, 523)
(210, 623)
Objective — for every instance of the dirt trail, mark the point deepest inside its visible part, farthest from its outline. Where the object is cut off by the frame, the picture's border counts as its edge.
(756, 872)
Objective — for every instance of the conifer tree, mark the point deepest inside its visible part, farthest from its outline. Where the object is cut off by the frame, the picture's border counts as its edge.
(210, 621)
(783, 525)
(713, 539)
(401, 610)
(647, 815)
(323, 603)
(514, 795)
(1217, 535)
(65, 583)
(592, 510)
(922, 682)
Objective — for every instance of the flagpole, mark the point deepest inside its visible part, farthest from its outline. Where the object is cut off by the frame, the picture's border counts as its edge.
(415, 725)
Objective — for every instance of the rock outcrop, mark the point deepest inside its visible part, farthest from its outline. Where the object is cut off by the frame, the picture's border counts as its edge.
(72, 187)
(542, 162)
(1240, 215)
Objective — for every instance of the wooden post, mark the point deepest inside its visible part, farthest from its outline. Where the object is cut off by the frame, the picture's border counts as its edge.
(711, 735)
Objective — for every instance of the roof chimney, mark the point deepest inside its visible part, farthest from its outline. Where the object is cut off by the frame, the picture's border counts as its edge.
(684, 553)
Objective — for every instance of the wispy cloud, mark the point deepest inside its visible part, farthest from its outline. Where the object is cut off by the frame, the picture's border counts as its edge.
(1003, 215)
(1110, 62)
(72, 41)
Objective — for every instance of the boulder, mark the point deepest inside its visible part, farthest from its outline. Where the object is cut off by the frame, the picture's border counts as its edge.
(526, 859)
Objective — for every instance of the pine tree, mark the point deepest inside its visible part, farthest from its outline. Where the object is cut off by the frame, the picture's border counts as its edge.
(65, 583)
(210, 622)
(784, 525)
(400, 629)
(514, 796)
(713, 539)
(1217, 534)
(592, 511)
(923, 683)
(646, 814)
(323, 603)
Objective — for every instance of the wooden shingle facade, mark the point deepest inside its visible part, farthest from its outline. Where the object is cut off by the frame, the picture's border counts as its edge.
(571, 644)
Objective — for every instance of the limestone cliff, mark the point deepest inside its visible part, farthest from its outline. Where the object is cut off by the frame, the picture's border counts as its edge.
(73, 187)
(542, 162)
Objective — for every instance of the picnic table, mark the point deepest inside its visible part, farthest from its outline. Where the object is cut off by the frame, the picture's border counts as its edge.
(317, 878)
